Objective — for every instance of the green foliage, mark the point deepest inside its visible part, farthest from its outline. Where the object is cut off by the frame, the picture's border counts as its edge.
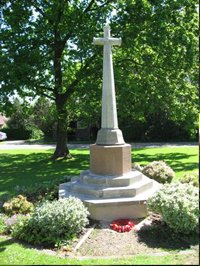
(192, 178)
(3, 227)
(44, 113)
(179, 206)
(53, 223)
(155, 69)
(47, 190)
(17, 225)
(21, 123)
(159, 171)
(17, 205)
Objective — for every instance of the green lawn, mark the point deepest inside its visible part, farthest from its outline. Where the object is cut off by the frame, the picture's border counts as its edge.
(181, 159)
(14, 253)
(26, 167)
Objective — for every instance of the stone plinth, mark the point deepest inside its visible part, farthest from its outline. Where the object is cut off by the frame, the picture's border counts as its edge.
(110, 160)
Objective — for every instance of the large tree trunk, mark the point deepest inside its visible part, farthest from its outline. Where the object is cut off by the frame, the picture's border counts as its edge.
(62, 150)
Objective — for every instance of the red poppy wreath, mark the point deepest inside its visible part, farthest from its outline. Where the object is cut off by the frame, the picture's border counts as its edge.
(122, 225)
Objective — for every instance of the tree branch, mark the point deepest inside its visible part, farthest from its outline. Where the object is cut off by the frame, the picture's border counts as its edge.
(79, 77)
(40, 91)
(89, 6)
(104, 4)
(144, 65)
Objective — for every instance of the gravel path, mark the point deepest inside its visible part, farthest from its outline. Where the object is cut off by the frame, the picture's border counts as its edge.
(21, 144)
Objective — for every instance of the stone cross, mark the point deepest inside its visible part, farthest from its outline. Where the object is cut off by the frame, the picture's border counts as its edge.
(109, 134)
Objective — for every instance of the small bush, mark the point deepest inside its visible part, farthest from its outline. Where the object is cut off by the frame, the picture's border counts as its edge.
(17, 205)
(47, 190)
(15, 219)
(3, 227)
(52, 223)
(159, 171)
(137, 166)
(192, 178)
(18, 225)
(179, 206)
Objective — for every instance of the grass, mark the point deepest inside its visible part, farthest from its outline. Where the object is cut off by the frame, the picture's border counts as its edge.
(27, 167)
(181, 159)
(16, 253)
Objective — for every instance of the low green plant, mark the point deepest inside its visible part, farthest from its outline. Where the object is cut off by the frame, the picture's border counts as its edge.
(53, 223)
(17, 205)
(3, 227)
(179, 206)
(16, 220)
(46, 190)
(192, 178)
(159, 171)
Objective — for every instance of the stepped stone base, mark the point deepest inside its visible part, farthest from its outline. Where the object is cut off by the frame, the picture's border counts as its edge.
(110, 197)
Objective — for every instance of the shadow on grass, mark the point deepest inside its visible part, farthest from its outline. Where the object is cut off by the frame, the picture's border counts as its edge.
(175, 160)
(161, 236)
(5, 243)
(28, 169)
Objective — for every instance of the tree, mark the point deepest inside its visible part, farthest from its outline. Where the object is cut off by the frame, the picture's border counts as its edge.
(46, 49)
(159, 60)
(44, 116)
(21, 123)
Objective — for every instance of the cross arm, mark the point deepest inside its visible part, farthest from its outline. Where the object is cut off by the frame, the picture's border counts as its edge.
(107, 41)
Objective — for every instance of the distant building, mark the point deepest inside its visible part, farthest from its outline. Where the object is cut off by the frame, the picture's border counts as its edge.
(2, 121)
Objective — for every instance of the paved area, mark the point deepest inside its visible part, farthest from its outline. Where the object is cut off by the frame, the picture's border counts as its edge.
(21, 144)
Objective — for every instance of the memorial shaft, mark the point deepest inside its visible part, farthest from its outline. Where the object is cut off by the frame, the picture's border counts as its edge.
(109, 134)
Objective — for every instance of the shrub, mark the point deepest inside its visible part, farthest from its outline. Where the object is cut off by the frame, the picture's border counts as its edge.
(18, 204)
(159, 171)
(178, 205)
(18, 225)
(192, 178)
(3, 227)
(46, 190)
(51, 223)
(137, 166)
(10, 222)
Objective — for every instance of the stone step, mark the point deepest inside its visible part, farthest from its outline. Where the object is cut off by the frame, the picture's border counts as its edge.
(113, 181)
(111, 192)
(109, 209)
(65, 192)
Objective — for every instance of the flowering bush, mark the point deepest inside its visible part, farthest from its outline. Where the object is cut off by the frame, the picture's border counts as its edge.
(192, 178)
(18, 204)
(179, 206)
(159, 171)
(54, 222)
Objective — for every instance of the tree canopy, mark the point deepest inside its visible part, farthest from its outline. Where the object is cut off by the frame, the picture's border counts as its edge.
(46, 50)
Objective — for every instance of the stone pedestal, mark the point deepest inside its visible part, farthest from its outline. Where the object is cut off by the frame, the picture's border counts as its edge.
(111, 189)
(110, 160)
